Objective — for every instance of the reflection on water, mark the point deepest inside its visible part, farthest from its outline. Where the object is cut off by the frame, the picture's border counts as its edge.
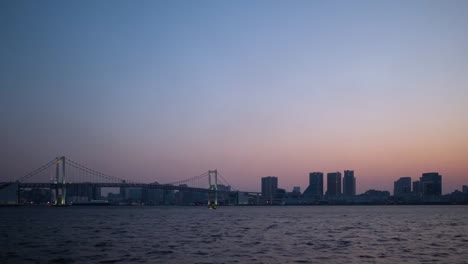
(328, 234)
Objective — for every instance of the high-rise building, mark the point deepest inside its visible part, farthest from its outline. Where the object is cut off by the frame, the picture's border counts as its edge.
(402, 186)
(315, 188)
(334, 183)
(465, 188)
(431, 183)
(349, 183)
(269, 189)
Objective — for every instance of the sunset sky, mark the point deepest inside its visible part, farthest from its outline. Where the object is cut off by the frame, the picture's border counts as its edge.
(165, 90)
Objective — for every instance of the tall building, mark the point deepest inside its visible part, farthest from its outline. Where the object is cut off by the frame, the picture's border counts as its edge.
(402, 186)
(269, 189)
(315, 188)
(431, 183)
(334, 183)
(349, 183)
(465, 188)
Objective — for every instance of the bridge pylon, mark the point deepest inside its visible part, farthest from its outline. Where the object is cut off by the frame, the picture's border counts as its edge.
(60, 190)
(213, 201)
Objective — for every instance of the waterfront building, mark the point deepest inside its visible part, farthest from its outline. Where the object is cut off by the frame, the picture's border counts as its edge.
(152, 196)
(465, 188)
(373, 197)
(417, 187)
(9, 194)
(280, 195)
(431, 184)
(333, 184)
(133, 194)
(349, 183)
(294, 197)
(83, 192)
(297, 190)
(269, 189)
(315, 188)
(402, 186)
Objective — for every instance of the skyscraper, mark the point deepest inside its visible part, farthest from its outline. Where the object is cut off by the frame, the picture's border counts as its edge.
(269, 189)
(334, 183)
(402, 186)
(349, 183)
(315, 188)
(431, 183)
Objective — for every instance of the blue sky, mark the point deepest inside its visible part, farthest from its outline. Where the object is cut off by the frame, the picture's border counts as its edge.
(254, 88)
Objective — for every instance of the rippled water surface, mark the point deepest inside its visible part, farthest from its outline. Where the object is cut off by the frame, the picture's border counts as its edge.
(325, 234)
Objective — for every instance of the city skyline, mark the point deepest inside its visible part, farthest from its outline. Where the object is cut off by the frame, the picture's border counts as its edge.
(76, 184)
(158, 91)
(337, 184)
(247, 131)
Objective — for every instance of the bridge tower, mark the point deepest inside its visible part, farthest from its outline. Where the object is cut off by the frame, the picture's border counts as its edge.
(60, 187)
(213, 187)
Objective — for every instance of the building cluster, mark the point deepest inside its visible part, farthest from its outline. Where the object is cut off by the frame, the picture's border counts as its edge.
(89, 194)
(342, 190)
(338, 188)
(149, 196)
(430, 184)
(428, 189)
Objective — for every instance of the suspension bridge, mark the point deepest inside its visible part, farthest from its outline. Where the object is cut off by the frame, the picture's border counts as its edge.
(66, 182)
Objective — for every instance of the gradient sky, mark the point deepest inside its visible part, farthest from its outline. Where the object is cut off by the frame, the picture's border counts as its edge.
(165, 90)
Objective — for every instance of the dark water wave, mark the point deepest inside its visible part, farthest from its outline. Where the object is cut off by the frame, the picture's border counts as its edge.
(353, 234)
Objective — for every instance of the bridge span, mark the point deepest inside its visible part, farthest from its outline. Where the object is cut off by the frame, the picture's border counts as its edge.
(66, 178)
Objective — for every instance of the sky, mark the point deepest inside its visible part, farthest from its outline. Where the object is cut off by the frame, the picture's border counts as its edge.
(165, 90)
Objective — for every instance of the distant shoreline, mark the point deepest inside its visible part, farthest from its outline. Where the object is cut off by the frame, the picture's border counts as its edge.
(286, 205)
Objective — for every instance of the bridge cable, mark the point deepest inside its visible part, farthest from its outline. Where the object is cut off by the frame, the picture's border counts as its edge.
(189, 179)
(89, 172)
(39, 170)
(94, 172)
(227, 182)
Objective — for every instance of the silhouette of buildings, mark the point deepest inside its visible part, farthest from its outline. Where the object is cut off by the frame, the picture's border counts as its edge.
(417, 187)
(315, 189)
(35, 196)
(431, 184)
(402, 186)
(349, 183)
(426, 190)
(333, 184)
(373, 197)
(269, 189)
(297, 189)
(133, 195)
(280, 196)
(152, 196)
(9, 194)
(83, 193)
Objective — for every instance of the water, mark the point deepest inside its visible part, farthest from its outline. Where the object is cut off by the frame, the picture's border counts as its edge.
(327, 234)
